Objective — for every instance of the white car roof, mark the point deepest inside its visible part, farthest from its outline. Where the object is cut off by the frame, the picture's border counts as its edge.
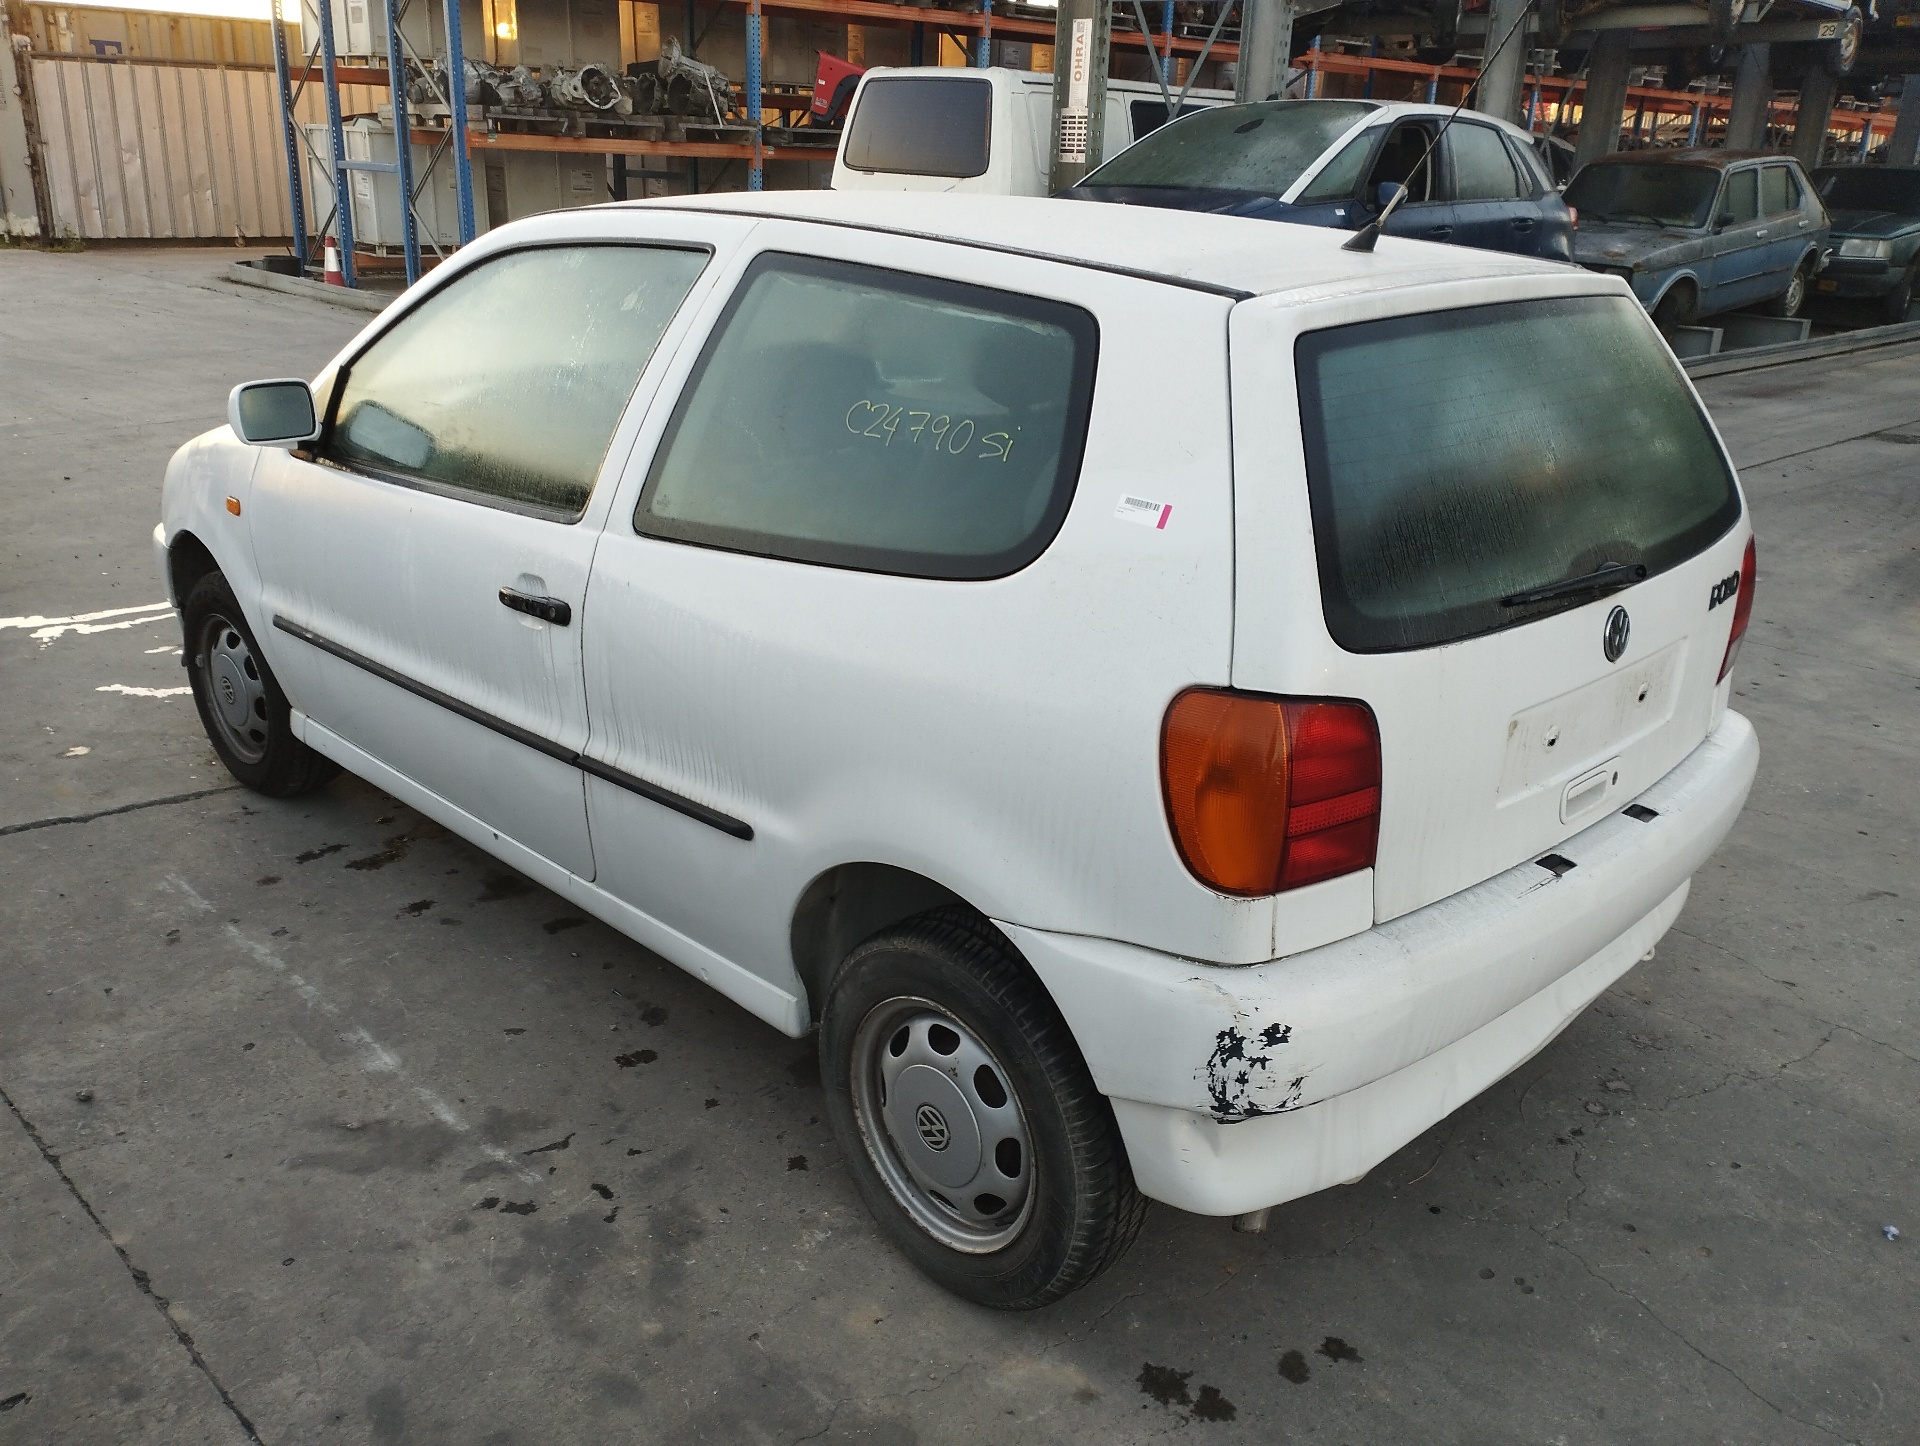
(1233, 255)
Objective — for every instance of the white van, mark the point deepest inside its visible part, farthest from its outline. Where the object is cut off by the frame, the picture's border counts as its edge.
(801, 584)
(938, 128)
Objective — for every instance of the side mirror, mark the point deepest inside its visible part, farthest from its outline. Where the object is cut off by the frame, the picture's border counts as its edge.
(273, 413)
(1722, 221)
(1386, 193)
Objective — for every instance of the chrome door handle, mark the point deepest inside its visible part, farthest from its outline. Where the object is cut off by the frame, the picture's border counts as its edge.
(1761, 232)
(548, 609)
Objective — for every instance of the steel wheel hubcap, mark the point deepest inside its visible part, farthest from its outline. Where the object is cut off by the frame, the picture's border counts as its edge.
(940, 1121)
(235, 689)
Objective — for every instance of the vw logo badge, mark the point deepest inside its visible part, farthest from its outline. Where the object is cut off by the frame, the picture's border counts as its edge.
(1614, 639)
(933, 1127)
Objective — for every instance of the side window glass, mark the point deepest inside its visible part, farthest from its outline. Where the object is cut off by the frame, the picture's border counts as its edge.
(1400, 162)
(1341, 175)
(1778, 193)
(866, 418)
(1482, 169)
(1742, 201)
(1535, 176)
(507, 384)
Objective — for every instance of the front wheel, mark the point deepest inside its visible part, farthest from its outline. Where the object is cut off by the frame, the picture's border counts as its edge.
(1893, 306)
(1789, 302)
(970, 1122)
(1675, 309)
(241, 706)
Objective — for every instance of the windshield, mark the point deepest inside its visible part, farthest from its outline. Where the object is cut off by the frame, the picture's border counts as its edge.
(1260, 148)
(1457, 460)
(1645, 195)
(1860, 188)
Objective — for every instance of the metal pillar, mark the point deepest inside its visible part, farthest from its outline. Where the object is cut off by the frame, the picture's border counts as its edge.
(1503, 70)
(337, 146)
(1752, 98)
(756, 173)
(1904, 148)
(1605, 98)
(1082, 38)
(15, 35)
(296, 193)
(1266, 43)
(1813, 115)
(983, 47)
(1693, 128)
(402, 137)
(457, 104)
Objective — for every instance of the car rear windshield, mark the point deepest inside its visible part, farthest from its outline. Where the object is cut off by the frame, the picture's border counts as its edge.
(1460, 458)
(1645, 195)
(1261, 148)
(922, 126)
(1864, 188)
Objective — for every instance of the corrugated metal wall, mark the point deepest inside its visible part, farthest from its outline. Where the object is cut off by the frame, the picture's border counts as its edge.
(149, 35)
(152, 149)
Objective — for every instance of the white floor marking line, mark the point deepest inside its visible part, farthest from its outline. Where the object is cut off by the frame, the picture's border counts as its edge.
(172, 650)
(46, 629)
(375, 1057)
(181, 886)
(35, 620)
(132, 692)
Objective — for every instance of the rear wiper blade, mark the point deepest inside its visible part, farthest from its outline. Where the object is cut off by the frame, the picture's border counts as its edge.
(1608, 577)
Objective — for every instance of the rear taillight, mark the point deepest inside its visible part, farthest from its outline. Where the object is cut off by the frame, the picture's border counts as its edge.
(1742, 610)
(1266, 794)
(1573, 213)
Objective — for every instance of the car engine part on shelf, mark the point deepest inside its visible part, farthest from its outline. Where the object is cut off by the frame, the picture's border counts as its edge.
(678, 85)
(591, 87)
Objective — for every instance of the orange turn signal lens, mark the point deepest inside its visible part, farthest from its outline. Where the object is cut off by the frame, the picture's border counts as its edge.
(233, 506)
(1266, 794)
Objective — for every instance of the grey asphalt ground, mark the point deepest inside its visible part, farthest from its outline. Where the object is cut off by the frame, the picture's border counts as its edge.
(319, 1126)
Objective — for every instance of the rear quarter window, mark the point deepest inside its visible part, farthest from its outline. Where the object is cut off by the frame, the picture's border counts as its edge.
(1458, 458)
(876, 419)
(922, 126)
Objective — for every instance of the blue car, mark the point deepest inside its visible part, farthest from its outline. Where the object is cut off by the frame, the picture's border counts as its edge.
(1698, 232)
(1477, 182)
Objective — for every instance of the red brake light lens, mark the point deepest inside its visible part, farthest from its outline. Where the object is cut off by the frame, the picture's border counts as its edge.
(1742, 609)
(1268, 794)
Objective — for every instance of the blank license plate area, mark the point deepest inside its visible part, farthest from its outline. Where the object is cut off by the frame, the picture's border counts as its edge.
(1552, 741)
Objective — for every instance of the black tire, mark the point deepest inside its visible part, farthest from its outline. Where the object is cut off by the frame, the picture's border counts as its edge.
(1837, 57)
(1071, 1207)
(1676, 308)
(1793, 300)
(241, 706)
(1893, 306)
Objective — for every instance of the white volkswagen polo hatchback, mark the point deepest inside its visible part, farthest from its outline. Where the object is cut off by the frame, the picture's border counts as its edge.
(1180, 707)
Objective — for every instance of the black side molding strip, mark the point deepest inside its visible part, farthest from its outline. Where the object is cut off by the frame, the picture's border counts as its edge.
(666, 798)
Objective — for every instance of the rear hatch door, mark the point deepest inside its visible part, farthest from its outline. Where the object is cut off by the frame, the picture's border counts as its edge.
(1417, 501)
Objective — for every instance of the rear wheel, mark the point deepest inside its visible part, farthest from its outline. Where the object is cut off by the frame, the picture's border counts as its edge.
(1789, 302)
(241, 706)
(969, 1120)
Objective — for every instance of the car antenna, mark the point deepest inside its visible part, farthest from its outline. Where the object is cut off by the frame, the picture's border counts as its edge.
(1363, 239)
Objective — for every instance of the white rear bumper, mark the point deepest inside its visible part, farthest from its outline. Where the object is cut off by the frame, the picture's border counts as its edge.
(1237, 1088)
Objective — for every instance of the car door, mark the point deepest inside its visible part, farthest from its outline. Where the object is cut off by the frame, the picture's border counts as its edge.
(1493, 204)
(1740, 259)
(424, 565)
(1409, 157)
(832, 603)
(1785, 220)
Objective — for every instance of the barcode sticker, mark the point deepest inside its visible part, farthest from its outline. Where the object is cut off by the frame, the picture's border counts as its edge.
(1147, 514)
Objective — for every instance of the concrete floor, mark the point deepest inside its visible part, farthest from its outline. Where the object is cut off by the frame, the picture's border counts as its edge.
(321, 1126)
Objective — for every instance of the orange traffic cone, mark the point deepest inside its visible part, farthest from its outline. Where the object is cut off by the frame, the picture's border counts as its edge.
(332, 274)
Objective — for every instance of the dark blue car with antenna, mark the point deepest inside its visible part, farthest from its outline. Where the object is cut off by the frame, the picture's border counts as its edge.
(1475, 182)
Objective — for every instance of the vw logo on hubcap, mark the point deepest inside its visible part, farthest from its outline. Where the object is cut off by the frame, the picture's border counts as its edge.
(226, 687)
(932, 1125)
(1614, 639)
